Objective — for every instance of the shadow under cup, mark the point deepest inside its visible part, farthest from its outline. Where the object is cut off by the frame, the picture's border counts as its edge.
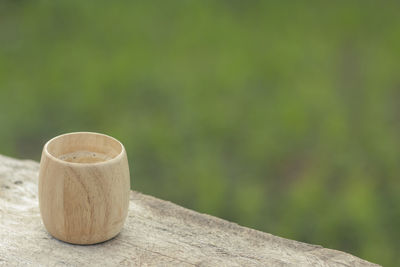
(84, 186)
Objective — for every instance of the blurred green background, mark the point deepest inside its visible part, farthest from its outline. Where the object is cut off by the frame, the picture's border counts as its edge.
(284, 117)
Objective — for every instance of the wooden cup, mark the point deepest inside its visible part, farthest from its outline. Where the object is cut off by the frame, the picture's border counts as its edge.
(84, 187)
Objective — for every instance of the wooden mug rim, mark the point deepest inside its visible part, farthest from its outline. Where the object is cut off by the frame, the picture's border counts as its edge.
(109, 161)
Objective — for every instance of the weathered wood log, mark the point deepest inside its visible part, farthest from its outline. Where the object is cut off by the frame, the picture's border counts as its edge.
(156, 233)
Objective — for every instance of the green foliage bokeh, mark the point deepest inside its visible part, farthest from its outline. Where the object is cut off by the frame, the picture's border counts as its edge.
(282, 117)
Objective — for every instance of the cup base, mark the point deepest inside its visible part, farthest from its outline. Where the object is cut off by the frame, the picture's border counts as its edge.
(83, 243)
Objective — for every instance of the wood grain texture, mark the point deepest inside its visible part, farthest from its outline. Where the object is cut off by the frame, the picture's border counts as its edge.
(156, 233)
(84, 187)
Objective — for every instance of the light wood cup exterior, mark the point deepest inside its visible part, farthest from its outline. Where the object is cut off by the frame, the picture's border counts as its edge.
(84, 202)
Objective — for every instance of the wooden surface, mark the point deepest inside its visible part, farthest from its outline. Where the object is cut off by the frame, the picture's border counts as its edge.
(84, 197)
(156, 233)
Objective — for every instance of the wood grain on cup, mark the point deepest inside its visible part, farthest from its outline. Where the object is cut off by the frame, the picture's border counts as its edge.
(84, 186)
